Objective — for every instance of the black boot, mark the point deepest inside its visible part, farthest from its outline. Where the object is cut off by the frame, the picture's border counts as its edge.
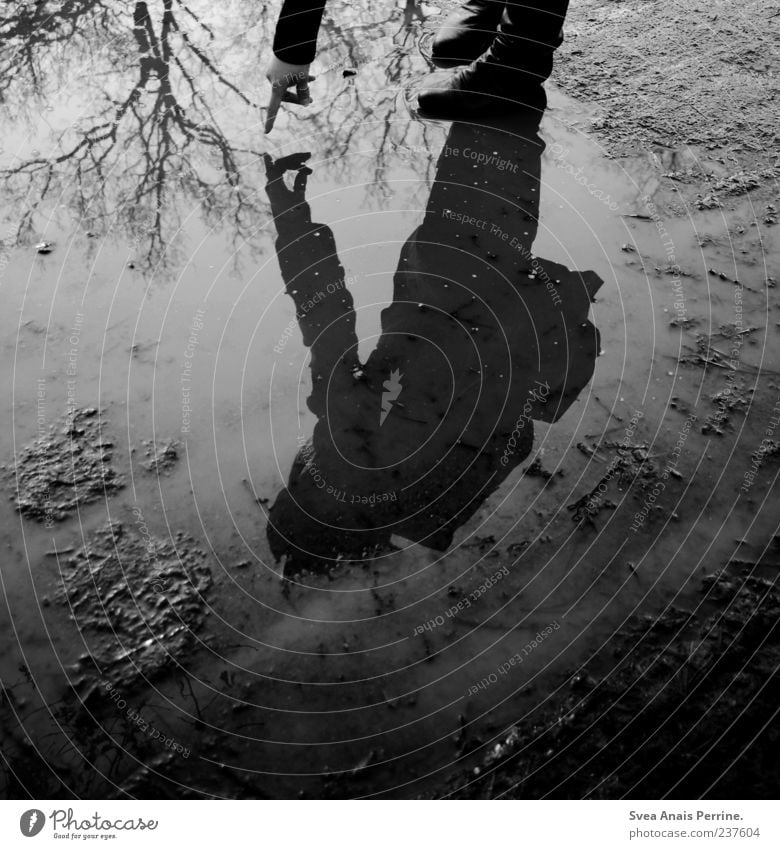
(508, 77)
(467, 33)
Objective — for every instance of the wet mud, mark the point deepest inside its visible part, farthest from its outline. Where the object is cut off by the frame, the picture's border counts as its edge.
(137, 602)
(66, 467)
(708, 677)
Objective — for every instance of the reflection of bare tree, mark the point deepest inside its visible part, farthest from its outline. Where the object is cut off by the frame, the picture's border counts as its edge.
(29, 31)
(159, 138)
(163, 120)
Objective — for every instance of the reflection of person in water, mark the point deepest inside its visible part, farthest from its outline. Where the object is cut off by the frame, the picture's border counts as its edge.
(480, 339)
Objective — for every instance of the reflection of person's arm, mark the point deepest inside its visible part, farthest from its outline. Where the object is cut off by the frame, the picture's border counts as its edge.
(296, 32)
(314, 279)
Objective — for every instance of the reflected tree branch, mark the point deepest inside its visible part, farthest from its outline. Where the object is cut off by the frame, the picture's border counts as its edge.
(153, 137)
(160, 138)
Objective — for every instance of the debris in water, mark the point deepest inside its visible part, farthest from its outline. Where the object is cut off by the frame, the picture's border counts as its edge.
(631, 465)
(162, 456)
(536, 470)
(707, 202)
(683, 322)
(482, 543)
(734, 397)
(58, 552)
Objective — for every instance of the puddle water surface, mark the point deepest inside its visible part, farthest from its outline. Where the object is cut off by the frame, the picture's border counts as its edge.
(396, 422)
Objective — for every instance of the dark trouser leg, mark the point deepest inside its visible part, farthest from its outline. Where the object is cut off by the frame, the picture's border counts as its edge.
(467, 33)
(527, 37)
(509, 75)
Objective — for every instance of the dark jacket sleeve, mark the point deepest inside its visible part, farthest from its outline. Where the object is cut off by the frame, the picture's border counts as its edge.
(296, 31)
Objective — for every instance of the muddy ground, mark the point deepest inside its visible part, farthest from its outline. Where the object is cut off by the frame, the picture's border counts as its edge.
(680, 706)
(599, 620)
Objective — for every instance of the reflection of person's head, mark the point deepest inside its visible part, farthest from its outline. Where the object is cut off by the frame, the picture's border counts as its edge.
(310, 530)
(481, 339)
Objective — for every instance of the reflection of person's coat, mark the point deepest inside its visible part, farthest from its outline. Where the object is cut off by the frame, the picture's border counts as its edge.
(480, 339)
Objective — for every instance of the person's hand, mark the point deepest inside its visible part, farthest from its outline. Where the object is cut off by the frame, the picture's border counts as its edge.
(283, 76)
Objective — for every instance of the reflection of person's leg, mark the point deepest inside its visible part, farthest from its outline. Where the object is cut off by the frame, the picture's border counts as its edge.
(511, 71)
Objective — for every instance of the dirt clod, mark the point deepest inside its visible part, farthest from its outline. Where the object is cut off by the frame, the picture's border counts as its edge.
(68, 467)
(161, 456)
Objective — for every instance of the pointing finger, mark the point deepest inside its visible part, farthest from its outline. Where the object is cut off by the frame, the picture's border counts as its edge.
(277, 95)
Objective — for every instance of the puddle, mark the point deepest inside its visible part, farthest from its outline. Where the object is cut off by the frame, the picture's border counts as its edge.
(430, 397)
